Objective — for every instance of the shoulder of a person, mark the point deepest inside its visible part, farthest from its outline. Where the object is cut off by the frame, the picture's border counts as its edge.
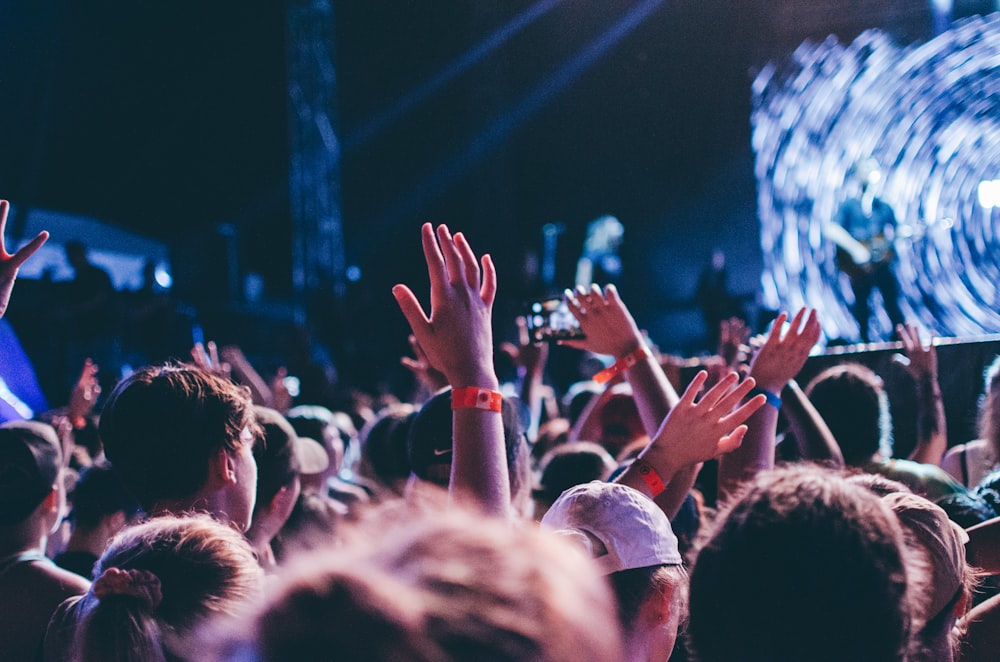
(48, 581)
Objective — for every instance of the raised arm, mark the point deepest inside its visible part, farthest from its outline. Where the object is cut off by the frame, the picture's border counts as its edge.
(611, 330)
(10, 263)
(457, 338)
(694, 432)
(921, 362)
(778, 360)
(244, 372)
(812, 435)
(530, 359)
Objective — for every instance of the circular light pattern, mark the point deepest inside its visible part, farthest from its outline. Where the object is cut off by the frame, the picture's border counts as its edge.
(929, 115)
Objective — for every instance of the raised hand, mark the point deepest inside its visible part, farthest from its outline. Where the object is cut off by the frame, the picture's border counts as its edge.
(84, 395)
(207, 358)
(9, 264)
(919, 360)
(529, 357)
(605, 320)
(698, 431)
(781, 357)
(733, 336)
(457, 336)
(281, 398)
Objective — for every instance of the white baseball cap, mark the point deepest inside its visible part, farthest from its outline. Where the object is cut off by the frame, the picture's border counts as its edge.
(621, 528)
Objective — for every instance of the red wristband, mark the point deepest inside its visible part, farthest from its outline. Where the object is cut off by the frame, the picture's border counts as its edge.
(653, 480)
(473, 397)
(622, 364)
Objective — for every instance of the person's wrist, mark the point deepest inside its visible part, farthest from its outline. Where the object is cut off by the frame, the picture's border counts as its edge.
(480, 378)
(768, 383)
(623, 363)
(659, 459)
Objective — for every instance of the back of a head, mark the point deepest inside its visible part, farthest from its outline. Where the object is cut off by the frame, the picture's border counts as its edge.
(383, 445)
(572, 464)
(161, 425)
(30, 463)
(430, 441)
(937, 562)
(989, 408)
(440, 586)
(277, 463)
(802, 565)
(631, 541)
(319, 423)
(99, 493)
(852, 402)
(158, 582)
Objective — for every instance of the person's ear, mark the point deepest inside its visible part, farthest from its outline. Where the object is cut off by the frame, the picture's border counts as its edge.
(656, 608)
(117, 520)
(222, 468)
(962, 605)
(51, 501)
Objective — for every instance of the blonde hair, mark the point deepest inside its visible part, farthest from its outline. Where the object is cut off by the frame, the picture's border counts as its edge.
(444, 585)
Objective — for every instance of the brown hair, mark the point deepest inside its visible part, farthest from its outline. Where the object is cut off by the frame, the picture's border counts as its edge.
(161, 425)
(203, 568)
(802, 565)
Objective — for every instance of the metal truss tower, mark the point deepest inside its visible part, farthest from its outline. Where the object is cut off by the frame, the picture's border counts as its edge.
(318, 263)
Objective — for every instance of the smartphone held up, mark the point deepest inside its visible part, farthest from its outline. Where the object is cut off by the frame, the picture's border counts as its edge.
(551, 320)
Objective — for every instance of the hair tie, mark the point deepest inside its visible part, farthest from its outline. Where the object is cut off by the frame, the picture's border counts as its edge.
(140, 584)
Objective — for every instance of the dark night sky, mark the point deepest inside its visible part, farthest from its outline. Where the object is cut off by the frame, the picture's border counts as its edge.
(169, 118)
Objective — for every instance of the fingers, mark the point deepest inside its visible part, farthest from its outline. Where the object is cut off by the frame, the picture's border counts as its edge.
(744, 411)
(733, 397)
(776, 328)
(28, 249)
(433, 256)
(719, 390)
(468, 260)
(572, 303)
(4, 207)
(199, 356)
(452, 258)
(411, 308)
(511, 350)
(731, 441)
(213, 354)
(418, 351)
(687, 398)
(523, 335)
(488, 291)
(411, 364)
(796, 323)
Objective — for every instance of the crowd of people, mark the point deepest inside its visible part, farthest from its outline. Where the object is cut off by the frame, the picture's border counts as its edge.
(200, 511)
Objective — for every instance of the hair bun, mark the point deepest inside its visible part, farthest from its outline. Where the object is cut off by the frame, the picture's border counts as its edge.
(140, 584)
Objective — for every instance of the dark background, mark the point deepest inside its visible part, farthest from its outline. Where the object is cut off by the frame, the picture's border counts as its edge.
(172, 118)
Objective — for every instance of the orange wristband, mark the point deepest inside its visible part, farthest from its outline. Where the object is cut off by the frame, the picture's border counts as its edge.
(653, 480)
(622, 364)
(473, 397)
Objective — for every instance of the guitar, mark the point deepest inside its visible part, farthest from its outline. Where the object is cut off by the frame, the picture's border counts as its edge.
(861, 258)
(880, 250)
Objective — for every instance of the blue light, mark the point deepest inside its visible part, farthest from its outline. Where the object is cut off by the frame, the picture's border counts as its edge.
(162, 276)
